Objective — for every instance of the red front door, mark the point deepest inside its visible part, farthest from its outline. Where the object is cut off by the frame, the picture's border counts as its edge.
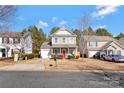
(64, 52)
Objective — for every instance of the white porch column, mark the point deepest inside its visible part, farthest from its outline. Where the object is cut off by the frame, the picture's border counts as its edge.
(75, 51)
(60, 50)
(51, 50)
(68, 50)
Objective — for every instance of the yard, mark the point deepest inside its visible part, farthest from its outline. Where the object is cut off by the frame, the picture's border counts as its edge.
(8, 62)
(86, 65)
(63, 65)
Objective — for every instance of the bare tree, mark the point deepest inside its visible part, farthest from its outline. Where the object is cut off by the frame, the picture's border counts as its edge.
(84, 24)
(6, 12)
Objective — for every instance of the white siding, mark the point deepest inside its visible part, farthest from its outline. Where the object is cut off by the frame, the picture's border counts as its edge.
(26, 43)
(68, 40)
(63, 32)
(0, 53)
(0, 40)
(45, 53)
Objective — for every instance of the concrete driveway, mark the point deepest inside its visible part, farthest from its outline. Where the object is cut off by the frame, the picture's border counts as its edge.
(32, 65)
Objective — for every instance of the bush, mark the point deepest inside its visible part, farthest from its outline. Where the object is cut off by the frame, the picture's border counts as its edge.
(58, 56)
(29, 56)
(71, 57)
(77, 57)
(37, 55)
(23, 56)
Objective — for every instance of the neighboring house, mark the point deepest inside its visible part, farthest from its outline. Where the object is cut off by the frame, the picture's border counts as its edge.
(45, 50)
(121, 40)
(63, 42)
(11, 42)
(101, 44)
(27, 43)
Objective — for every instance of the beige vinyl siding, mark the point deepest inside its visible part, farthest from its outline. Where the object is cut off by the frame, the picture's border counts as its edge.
(115, 47)
(68, 40)
(99, 44)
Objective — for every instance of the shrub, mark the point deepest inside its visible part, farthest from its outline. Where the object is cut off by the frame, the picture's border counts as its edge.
(23, 56)
(77, 57)
(71, 57)
(29, 56)
(37, 55)
(58, 56)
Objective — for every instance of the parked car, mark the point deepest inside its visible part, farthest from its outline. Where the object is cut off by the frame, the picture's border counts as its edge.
(114, 58)
(99, 55)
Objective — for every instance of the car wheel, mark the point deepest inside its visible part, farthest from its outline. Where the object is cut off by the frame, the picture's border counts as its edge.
(104, 59)
(113, 60)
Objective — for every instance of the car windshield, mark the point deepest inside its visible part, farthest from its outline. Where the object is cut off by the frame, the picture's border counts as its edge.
(119, 56)
(115, 55)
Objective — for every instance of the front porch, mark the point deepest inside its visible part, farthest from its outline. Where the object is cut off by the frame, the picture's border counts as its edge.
(65, 52)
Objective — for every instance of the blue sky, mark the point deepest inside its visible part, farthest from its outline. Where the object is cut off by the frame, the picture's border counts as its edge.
(46, 17)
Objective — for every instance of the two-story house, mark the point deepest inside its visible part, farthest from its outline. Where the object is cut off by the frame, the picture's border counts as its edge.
(63, 42)
(100, 44)
(11, 42)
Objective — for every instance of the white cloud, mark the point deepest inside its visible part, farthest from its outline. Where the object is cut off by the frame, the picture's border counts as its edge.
(54, 19)
(63, 22)
(100, 26)
(105, 10)
(42, 24)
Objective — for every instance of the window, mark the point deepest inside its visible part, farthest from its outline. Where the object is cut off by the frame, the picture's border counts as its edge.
(71, 50)
(56, 51)
(5, 40)
(56, 40)
(63, 40)
(16, 40)
(72, 40)
(93, 44)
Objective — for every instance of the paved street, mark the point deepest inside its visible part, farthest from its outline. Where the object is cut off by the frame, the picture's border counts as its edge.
(39, 79)
(31, 74)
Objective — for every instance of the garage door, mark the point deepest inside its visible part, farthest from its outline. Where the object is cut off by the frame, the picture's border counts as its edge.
(92, 53)
(45, 53)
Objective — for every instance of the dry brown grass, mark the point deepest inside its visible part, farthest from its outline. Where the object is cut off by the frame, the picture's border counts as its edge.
(87, 64)
(8, 62)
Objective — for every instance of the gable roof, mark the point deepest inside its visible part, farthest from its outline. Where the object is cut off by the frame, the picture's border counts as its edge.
(10, 34)
(45, 45)
(121, 41)
(63, 32)
(97, 38)
(107, 44)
